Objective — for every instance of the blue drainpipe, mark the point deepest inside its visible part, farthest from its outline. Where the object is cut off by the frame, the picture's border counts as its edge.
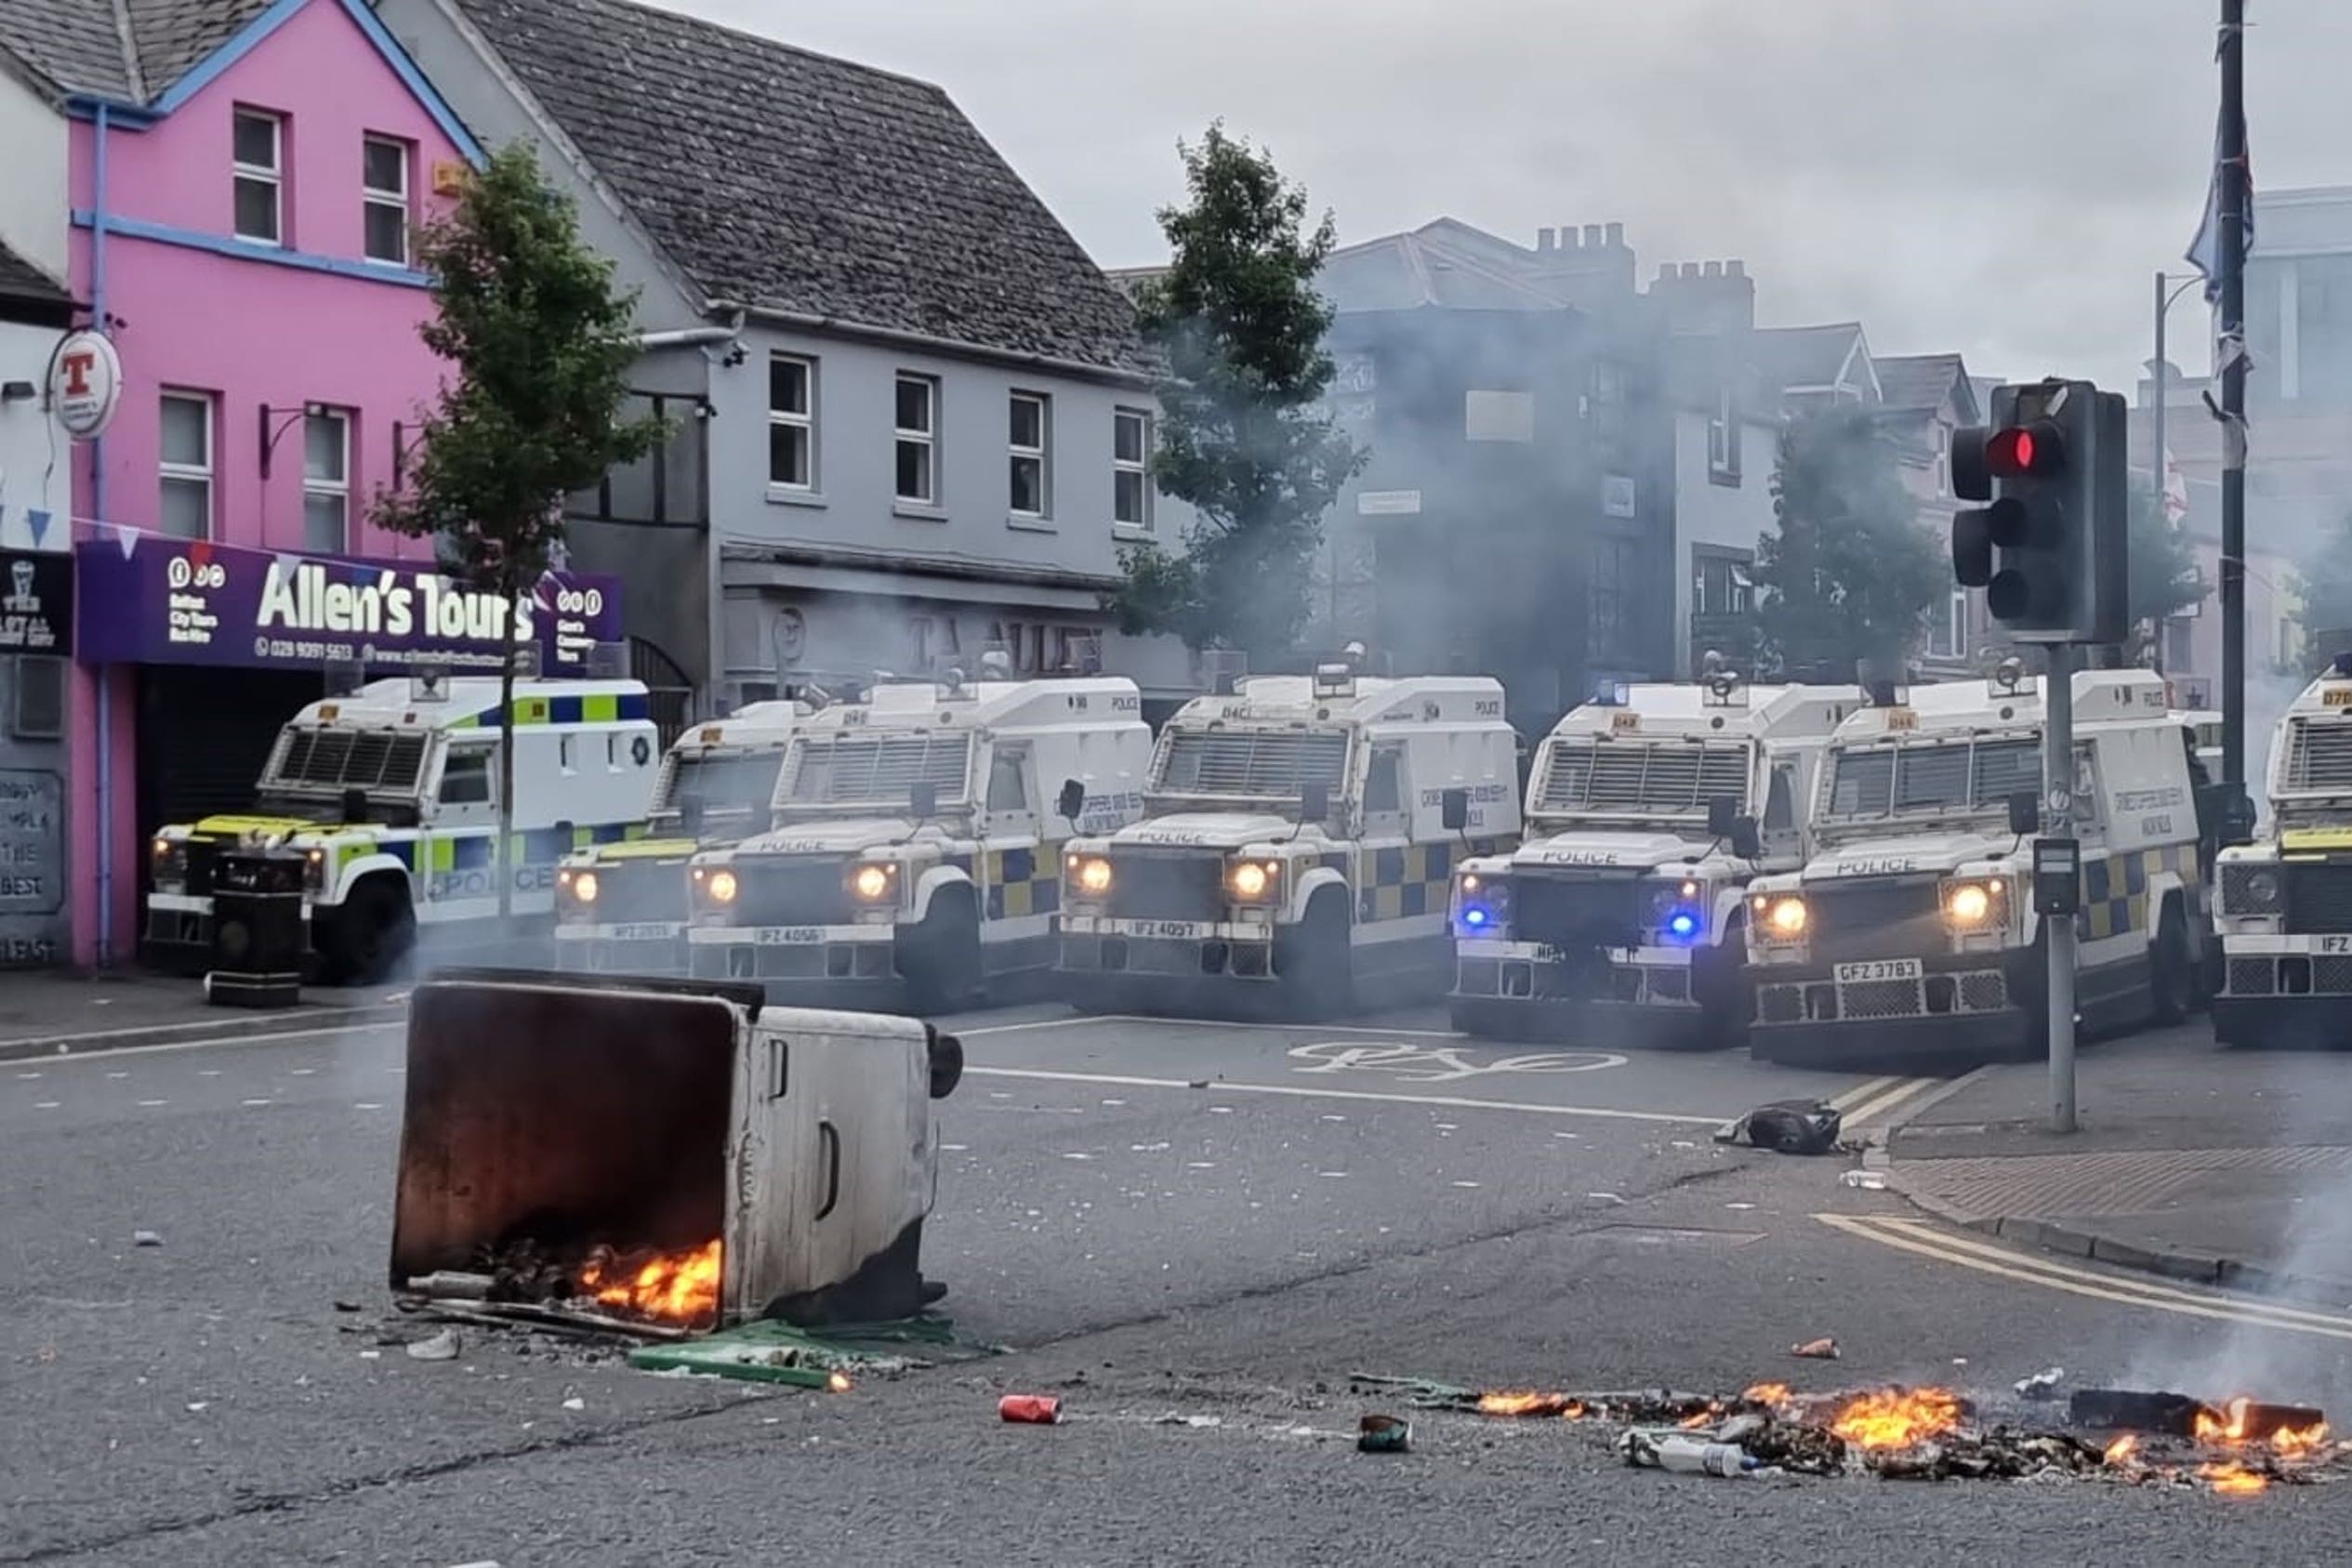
(97, 509)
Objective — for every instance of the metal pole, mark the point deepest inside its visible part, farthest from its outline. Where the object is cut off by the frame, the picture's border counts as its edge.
(2057, 799)
(2157, 473)
(2232, 265)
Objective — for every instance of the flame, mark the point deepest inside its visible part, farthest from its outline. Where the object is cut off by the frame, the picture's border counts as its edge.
(838, 1382)
(2211, 1428)
(1527, 1402)
(680, 1287)
(1697, 1418)
(1898, 1417)
(2299, 1442)
(2121, 1449)
(1767, 1393)
(2232, 1479)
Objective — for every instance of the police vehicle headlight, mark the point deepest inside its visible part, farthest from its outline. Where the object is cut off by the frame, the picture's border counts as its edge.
(169, 860)
(1089, 874)
(1253, 881)
(315, 871)
(1481, 903)
(1678, 910)
(581, 885)
(2251, 890)
(1781, 917)
(873, 882)
(1975, 906)
(719, 887)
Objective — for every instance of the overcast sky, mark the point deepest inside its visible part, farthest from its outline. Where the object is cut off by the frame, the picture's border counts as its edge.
(2001, 176)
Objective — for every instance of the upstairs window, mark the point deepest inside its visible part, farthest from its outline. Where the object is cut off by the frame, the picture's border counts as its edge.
(258, 165)
(327, 482)
(791, 422)
(1131, 469)
(1032, 475)
(186, 465)
(917, 438)
(384, 180)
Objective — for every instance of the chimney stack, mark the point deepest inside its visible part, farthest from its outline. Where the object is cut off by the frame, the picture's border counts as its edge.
(1593, 236)
(1547, 240)
(1707, 297)
(1614, 235)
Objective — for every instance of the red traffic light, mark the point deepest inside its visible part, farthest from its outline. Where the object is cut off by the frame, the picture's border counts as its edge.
(2025, 449)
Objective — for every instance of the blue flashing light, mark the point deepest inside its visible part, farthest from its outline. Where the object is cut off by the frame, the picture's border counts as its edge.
(1476, 916)
(1682, 925)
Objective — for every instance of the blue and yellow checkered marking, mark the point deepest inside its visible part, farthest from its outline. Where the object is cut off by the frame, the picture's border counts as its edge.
(1400, 881)
(434, 852)
(1021, 882)
(2115, 888)
(608, 707)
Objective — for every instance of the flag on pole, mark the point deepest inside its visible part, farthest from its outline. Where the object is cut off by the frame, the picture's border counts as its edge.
(2204, 251)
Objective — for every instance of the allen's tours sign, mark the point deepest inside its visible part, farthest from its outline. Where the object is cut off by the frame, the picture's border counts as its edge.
(182, 602)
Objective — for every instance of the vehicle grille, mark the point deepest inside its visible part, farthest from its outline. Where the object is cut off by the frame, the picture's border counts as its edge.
(2319, 756)
(791, 893)
(1577, 912)
(1872, 920)
(643, 890)
(1166, 888)
(2319, 899)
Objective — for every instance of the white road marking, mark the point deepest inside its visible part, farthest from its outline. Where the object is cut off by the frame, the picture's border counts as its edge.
(366, 1105)
(45, 1104)
(112, 1054)
(1925, 1239)
(151, 1105)
(256, 1102)
(118, 1075)
(1304, 1092)
(300, 1071)
(28, 1075)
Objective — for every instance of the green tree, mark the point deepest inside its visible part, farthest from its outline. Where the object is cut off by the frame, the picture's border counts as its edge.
(2164, 576)
(1847, 573)
(542, 344)
(1238, 330)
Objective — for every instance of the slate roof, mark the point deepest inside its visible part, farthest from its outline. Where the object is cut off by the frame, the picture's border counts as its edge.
(1429, 267)
(795, 182)
(25, 289)
(133, 53)
(1803, 356)
(1921, 382)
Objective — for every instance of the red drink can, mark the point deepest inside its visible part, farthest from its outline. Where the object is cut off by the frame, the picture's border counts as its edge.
(1043, 1410)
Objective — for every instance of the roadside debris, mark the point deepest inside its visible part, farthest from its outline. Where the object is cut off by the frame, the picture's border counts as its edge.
(146, 1238)
(342, 1306)
(1868, 1180)
(2043, 1385)
(575, 1403)
(441, 1347)
(1030, 1410)
(1384, 1434)
(1686, 1454)
(1787, 1127)
(1816, 1350)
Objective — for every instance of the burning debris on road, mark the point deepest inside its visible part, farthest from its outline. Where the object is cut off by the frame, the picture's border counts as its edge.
(1929, 1434)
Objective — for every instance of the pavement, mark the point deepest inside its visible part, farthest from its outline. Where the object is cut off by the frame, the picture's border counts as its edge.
(1210, 1223)
(46, 1012)
(2228, 1167)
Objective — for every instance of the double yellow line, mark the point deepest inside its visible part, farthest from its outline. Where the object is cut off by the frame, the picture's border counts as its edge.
(1924, 1238)
(1868, 1104)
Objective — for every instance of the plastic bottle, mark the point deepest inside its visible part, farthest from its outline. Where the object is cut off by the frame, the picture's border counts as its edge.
(1690, 1456)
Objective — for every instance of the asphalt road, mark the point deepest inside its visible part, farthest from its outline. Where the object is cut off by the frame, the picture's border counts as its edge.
(1371, 1198)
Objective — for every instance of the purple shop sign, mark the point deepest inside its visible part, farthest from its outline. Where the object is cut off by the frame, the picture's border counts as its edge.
(188, 602)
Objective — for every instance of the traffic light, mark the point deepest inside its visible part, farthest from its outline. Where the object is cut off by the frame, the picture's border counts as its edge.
(2049, 548)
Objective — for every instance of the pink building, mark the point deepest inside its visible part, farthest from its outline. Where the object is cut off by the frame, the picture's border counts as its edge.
(243, 179)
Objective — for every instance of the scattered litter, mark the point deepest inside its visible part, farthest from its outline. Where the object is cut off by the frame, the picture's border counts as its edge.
(441, 1347)
(1740, 1206)
(1197, 1084)
(347, 1306)
(1612, 1199)
(201, 1404)
(1201, 1164)
(1868, 1180)
(1115, 1103)
(1384, 1434)
(1685, 1454)
(1331, 1174)
(2043, 1385)
(1221, 1109)
(146, 1238)
(1203, 1422)
(575, 1403)
(484, 1564)
(371, 1355)
(1465, 1183)
(1145, 1148)
(1073, 1155)
(1789, 1126)
(1816, 1350)
(1030, 1410)
(1682, 1143)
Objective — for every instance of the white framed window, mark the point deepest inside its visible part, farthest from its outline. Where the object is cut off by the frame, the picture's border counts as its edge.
(791, 422)
(186, 451)
(917, 440)
(1131, 467)
(257, 163)
(1030, 437)
(1722, 439)
(1943, 458)
(384, 165)
(327, 482)
(1947, 633)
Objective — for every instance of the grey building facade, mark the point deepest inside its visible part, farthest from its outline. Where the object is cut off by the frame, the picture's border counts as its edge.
(910, 416)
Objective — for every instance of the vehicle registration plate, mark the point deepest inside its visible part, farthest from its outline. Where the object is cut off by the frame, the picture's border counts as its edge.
(2331, 944)
(1172, 930)
(788, 936)
(1878, 968)
(654, 932)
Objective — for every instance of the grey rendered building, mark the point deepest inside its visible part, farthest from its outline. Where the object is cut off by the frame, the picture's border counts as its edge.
(910, 414)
